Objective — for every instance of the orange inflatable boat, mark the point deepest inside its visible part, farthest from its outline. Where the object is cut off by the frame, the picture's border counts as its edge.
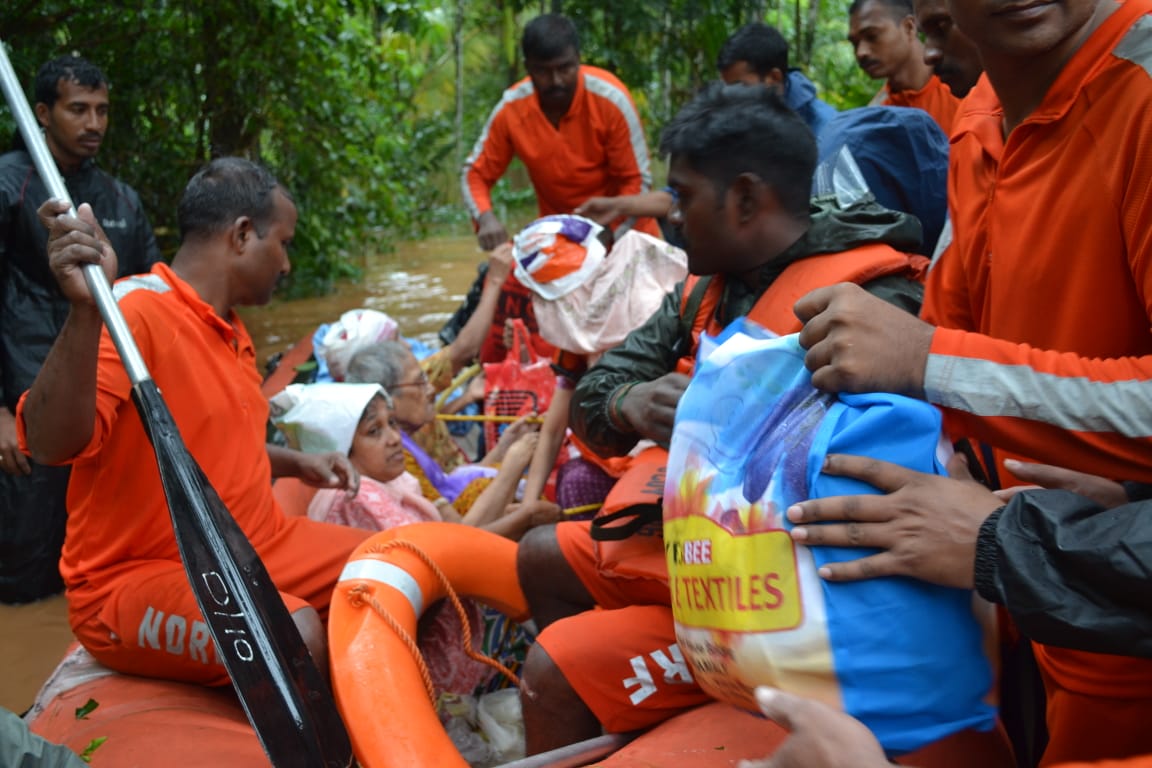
(382, 689)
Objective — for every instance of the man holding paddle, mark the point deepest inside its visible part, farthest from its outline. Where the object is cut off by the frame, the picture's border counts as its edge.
(71, 106)
(130, 601)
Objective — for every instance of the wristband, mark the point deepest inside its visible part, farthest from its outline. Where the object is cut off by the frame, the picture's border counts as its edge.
(615, 410)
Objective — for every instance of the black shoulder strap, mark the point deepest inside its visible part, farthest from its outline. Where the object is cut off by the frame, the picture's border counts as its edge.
(692, 308)
(634, 518)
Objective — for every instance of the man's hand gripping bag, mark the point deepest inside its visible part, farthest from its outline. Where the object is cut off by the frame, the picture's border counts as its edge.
(905, 657)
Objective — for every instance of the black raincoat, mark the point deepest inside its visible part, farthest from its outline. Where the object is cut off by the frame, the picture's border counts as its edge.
(32, 312)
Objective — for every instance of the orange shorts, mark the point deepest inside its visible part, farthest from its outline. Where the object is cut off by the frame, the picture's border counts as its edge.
(616, 573)
(622, 660)
(624, 664)
(151, 625)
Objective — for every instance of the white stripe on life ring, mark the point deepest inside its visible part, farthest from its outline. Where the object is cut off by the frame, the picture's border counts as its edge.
(388, 574)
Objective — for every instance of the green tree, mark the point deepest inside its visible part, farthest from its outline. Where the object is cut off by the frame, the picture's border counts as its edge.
(366, 109)
(322, 92)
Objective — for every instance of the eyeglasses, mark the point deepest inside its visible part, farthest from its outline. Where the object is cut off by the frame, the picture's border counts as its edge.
(420, 382)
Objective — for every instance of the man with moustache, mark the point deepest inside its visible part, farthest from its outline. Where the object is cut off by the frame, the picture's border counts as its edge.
(71, 105)
(883, 37)
(953, 56)
(130, 603)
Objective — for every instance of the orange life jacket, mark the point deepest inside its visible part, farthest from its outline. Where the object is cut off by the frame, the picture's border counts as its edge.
(773, 310)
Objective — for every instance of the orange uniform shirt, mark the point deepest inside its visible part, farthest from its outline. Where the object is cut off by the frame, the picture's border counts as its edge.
(1045, 295)
(205, 367)
(935, 98)
(599, 149)
(1044, 302)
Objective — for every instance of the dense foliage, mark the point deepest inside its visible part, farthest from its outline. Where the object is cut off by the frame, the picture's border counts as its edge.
(364, 108)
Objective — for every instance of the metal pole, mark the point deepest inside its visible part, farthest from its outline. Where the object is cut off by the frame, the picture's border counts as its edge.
(574, 755)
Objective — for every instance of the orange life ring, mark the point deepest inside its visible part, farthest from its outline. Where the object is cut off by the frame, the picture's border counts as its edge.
(376, 676)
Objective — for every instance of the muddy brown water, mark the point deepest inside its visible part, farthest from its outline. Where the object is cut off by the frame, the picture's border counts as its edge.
(420, 284)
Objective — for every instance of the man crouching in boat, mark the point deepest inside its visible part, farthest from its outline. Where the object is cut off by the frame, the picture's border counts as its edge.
(741, 166)
(129, 599)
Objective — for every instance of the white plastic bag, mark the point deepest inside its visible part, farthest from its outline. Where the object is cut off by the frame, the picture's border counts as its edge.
(488, 730)
(618, 297)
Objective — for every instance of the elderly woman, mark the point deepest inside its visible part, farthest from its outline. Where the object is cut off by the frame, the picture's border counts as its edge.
(336, 344)
(465, 489)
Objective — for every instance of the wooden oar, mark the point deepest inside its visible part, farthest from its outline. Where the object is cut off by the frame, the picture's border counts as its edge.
(286, 698)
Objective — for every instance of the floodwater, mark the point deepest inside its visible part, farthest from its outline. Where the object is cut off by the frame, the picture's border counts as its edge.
(420, 285)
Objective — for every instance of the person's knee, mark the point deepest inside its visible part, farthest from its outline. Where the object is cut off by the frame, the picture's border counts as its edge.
(538, 554)
(312, 631)
(554, 712)
(544, 688)
(540, 672)
(550, 583)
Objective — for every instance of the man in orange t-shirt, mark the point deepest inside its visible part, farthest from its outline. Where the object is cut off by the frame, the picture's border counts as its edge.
(576, 129)
(1042, 302)
(573, 126)
(884, 39)
(129, 599)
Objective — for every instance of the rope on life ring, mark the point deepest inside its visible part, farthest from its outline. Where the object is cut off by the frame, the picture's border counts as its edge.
(380, 682)
(360, 594)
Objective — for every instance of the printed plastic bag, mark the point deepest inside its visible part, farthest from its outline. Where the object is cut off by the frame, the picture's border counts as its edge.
(903, 656)
(588, 306)
(554, 255)
(520, 384)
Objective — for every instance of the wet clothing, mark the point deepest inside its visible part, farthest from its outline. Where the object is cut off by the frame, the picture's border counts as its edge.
(32, 311)
(935, 98)
(1052, 251)
(599, 148)
(129, 600)
(1088, 591)
(151, 625)
(903, 156)
(20, 748)
(800, 96)
(998, 383)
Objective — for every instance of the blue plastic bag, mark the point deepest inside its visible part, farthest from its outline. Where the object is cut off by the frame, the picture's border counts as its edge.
(905, 657)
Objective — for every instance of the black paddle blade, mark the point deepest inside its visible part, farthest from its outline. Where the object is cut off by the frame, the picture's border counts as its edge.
(286, 698)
